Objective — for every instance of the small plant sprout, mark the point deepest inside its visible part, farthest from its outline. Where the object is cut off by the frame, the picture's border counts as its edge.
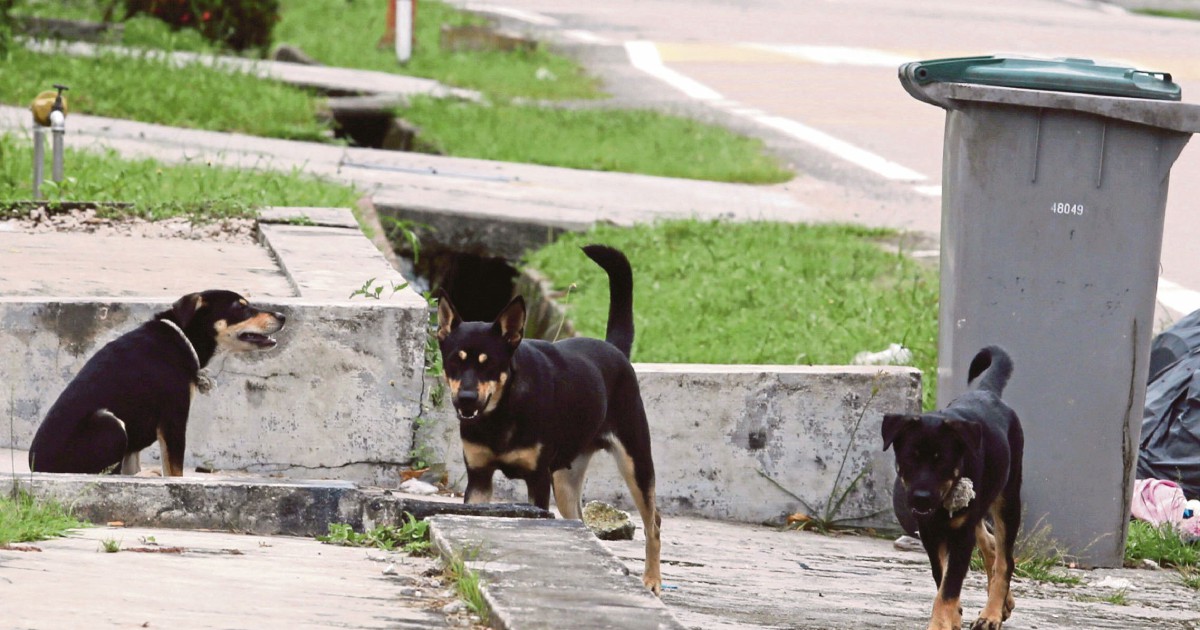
(376, 292)
(110, 545)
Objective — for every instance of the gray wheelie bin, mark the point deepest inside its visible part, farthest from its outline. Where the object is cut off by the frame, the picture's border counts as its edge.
(1054, 186)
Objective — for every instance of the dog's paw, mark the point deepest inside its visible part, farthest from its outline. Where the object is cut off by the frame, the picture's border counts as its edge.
(1009, 605)
(654, 584)
(149, 472)
(986, 624)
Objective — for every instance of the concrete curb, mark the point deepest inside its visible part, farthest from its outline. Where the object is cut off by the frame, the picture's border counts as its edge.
(549, 574)
(256, 506)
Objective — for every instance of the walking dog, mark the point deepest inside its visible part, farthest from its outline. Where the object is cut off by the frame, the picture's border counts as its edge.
(538, 411)
(139, 387)
(957, 469)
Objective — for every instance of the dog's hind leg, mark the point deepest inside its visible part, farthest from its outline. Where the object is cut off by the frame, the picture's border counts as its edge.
(639, 476)
(538, 486)
(568, 487)
(96, 445)
(1000, 602)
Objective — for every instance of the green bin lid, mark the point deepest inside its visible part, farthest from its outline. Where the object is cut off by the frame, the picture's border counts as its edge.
(1059, 75)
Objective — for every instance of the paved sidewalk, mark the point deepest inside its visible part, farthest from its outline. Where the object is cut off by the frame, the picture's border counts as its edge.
(209, 580)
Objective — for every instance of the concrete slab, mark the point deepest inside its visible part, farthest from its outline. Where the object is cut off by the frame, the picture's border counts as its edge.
(90, 265)
(207, 580)
(549, 574)
(727, 576)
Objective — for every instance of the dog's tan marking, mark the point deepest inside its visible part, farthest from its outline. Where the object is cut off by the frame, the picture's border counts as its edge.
(1000, 602)
(454, 384)
(524, 458)
(492, 392)
(227, 334)
(462, 354)
(483, 358)
(959, 520)
(568, 487)
(243, 302)
(648, 509)
(987, 548)
(946, 615)
(170, 468)
(477, 455)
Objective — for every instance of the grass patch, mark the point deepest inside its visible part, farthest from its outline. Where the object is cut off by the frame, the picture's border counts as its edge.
(341, 33)
(1190, 578)
(1160, 544)
(412, 537)
(25, 519)
(149, 90)
(629, 141)
(159, 191)
(1037, 557)
(468, 585)
(1183, 14)
(756, 292)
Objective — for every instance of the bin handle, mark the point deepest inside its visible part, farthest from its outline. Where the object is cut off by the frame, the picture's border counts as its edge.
(1166, 76)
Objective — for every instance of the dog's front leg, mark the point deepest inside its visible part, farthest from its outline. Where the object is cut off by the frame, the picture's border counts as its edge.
(955, 551)
(479, 485)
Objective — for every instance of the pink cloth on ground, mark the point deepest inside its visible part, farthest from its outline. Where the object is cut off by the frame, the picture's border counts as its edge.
(1158, 501)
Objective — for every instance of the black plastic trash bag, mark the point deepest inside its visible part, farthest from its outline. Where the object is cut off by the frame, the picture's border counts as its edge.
(1170, 444)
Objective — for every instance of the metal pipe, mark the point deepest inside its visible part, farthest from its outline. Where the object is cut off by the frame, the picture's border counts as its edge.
(39, 159)
(57, 128)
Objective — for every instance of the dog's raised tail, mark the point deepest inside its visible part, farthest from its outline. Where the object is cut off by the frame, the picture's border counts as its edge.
(620, 295)
(992, 367)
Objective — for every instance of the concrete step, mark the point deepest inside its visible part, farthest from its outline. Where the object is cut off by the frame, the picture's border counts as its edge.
(549, 574)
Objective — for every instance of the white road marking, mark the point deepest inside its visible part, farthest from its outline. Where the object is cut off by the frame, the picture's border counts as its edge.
(836, 55)
(1177, 298)
(875, 163)
(587, 37)
(644, 56)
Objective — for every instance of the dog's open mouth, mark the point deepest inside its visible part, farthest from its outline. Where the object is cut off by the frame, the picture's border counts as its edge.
(474, 413)
(257, 339)
(922, 513)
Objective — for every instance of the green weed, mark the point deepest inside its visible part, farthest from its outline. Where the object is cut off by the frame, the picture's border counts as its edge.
(1161, 544)
(467, 583)
(1038, 557)
(411, 537)
(25, 519)
(110, 545)
(1184, 14)
(756, 292)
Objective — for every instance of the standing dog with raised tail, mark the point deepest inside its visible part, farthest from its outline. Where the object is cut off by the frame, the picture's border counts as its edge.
(955, 468)
(538, 411)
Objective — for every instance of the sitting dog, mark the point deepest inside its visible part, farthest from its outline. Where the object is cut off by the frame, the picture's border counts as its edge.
(139, 387)
(537, 411)
(957, 469)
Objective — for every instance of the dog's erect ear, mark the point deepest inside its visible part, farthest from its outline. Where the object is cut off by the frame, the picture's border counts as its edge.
(448, 318)
(185, 308)
(511, 321)
(894, 424)
(971, 434)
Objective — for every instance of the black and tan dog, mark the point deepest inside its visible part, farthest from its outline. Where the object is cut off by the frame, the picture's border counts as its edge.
(958, 468)
(538, 411)
(139, 387)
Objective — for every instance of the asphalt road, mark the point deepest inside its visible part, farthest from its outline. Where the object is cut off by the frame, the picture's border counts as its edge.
(817, 79)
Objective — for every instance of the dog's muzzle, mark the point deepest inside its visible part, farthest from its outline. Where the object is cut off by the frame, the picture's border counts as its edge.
(264, 339)
(468, 406)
